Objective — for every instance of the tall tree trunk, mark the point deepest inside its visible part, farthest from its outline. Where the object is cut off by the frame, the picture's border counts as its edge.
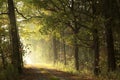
(14, 36)
(109, 12)
(95, 39)
(2, 54)
(96, 52)
(64, 46)
(75, 29)
(110, 47)
(64, 49)
(76, 47)
(3, 58)
(55, 49)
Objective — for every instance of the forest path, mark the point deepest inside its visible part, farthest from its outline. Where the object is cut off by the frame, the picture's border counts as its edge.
(44, 73)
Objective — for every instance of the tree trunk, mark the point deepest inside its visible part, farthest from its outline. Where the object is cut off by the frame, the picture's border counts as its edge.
(14, 36)
(2, 54)
(76, 56)
(55, 49)
(95, 39)
(110, 47)
(64, 46)
(3, 58)
(109, 12)
(64, 49)
(96, 52)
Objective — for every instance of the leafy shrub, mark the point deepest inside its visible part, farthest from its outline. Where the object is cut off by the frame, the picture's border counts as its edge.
(54, 78)
(2, 75)
(109, 76)
(11, 73)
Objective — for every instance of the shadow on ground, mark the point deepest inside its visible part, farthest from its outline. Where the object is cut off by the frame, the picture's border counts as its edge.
(47, 74)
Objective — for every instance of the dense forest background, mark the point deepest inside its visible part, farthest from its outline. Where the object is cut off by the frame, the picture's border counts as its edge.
(78, 36)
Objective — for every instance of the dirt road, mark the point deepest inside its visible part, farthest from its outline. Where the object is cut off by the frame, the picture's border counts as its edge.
(43, 73)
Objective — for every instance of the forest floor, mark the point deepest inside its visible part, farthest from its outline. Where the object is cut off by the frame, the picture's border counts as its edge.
(44, 73)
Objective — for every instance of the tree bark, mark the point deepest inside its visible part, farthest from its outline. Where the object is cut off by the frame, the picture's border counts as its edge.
(95, 39)
(110, 12)
(14, 36)
(55, 49)
(3, 58)
(64, 46)
(110, 46)
(2, 54)
(64, 49)
(76, 56)
(96, 52)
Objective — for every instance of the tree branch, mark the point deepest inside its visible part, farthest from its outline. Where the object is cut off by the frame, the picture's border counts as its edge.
(31, 18)
(3, 13)
(26, 18)
(84, 26)
(20, 13)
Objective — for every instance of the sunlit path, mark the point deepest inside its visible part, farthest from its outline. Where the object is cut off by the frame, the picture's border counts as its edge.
(37, 72)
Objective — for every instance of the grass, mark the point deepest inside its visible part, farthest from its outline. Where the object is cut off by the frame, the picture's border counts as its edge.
(54, 78)
(88, 73)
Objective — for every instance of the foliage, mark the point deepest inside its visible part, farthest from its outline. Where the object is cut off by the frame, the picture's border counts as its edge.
(108, 76)
(54, 78)
(2, 76)
(9, 73)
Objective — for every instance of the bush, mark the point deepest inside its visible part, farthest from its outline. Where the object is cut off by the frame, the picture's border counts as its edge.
(2, 75)
(10, 73)
(109, 76)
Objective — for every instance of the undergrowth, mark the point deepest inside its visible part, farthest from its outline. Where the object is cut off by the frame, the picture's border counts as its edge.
(85, 72)
(108, 76)
(10, 73)
(66, 68)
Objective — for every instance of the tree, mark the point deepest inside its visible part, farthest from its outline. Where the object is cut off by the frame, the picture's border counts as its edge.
(2, 56)
(110, 13)
(55, 49)
(96, 52)
(14, 36)
(96, 43)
